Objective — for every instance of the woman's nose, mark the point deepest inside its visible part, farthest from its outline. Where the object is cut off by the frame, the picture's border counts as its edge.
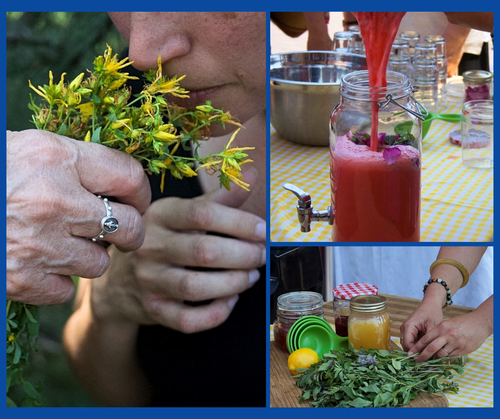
(156, 34)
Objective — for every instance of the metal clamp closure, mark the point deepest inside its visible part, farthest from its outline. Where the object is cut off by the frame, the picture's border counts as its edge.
(416, 113)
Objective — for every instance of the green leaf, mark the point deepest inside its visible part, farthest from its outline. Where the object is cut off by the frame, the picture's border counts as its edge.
(359, 402)
(31, 391)
(96, 136)
(62, 129)
(17, 354)
(396, 364)
(403, 127)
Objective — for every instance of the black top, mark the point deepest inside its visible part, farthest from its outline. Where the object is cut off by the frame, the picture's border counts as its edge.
(221, 367)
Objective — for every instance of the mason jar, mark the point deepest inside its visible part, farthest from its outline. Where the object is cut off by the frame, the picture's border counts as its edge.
(291, 307)
(369, 324)
(375, 188)
(342, 295)
(477, 85)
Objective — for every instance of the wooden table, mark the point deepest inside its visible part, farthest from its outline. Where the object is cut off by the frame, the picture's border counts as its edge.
(284, 392)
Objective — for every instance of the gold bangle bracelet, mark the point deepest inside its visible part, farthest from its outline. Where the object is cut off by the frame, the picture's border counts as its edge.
(457, 265)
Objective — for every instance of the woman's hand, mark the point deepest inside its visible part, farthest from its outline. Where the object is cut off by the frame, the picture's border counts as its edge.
(52, 210)
(423, 319)
(151, 285)
(457, 336)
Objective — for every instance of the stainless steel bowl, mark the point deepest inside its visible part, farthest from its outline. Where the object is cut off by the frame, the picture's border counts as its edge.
(304, 91)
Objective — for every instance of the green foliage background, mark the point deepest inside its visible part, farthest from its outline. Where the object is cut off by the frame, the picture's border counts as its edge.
(36, 43)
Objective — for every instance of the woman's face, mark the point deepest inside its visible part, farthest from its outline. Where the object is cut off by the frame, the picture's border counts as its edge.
(223, 54)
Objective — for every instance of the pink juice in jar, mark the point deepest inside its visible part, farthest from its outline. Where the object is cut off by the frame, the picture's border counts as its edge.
(375, 200)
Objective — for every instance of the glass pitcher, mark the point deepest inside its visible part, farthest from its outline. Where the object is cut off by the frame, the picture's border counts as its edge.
(375, 195)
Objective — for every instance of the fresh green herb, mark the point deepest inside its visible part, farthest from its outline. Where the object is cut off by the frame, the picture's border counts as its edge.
(374, 378)
(384, 140)
(22, 333)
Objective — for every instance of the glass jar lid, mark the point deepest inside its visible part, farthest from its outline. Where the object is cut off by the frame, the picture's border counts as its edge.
(348, 291)
(368, 303)
(477, 76)
(300, 301)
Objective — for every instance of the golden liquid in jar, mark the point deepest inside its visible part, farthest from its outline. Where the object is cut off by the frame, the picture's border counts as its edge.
(370, 332)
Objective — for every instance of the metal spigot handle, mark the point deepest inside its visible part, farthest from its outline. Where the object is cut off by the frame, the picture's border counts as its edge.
(305, 211)
(304, 197)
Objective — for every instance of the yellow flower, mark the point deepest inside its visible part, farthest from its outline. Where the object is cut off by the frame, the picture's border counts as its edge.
(185, 169)
(86, 109)
(164, 136)
(11, 338)
(111, 63)
(75, 84)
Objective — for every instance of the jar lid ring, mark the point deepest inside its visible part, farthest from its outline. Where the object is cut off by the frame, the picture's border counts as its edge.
(420, 115)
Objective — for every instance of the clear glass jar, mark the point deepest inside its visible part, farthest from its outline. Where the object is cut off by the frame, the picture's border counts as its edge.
(477, 85)
(291, 307)
(342, 295)
(375, 195)
(369, 324)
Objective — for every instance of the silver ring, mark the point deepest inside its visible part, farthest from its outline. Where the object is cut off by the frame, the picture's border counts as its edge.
(109, 224)
(444, 349)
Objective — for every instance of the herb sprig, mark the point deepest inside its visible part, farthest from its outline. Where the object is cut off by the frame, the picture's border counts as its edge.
(374, 378)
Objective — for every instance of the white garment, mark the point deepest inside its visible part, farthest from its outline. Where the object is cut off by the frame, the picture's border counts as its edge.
(404, 270)
(475, 40)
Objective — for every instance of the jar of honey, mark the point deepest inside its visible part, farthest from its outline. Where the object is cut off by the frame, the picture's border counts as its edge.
(369, 325)
(342, 295)
(291, 307)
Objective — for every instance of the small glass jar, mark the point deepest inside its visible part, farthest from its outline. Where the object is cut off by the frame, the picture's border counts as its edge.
(342, 295)
(291, 307)
(375, 194)
(477, 85)
(369, 325)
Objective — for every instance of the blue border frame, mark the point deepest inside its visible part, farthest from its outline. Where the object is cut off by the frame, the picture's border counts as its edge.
(256, 5)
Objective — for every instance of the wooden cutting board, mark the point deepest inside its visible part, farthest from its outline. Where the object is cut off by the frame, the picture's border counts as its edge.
(284, 392)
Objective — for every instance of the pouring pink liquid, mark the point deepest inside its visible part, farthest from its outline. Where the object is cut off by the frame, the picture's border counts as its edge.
(378, 30)
(376, 187)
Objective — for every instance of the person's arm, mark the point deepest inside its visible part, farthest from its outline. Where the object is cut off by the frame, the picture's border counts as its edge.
(100, 349)
(348, 20)
(53, 210)
(429, 313)
(318, 37)
(482, 21)
(455, 37)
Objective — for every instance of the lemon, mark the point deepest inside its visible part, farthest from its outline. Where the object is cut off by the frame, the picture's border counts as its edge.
(301, 358)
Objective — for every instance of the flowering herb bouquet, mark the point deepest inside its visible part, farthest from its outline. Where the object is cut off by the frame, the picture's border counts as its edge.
(101, 109)
(374, 378)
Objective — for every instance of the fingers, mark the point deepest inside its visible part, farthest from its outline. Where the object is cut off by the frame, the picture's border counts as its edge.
(109, 172)
(202, 250)
(190, 285)
(188, 319)
(209, 216)
(130, 233)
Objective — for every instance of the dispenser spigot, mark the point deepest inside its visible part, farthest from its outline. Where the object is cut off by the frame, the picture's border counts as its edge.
(305, 211)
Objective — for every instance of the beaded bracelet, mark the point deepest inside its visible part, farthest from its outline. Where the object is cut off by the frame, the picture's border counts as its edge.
(458, 265)
(449, 301)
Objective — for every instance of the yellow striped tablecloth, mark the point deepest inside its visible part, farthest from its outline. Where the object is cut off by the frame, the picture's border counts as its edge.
(457, 201)
(476, 383)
